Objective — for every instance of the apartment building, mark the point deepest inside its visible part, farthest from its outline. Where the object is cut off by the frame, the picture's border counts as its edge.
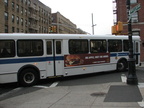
(120, 13)
(24, 16)
(62, 25)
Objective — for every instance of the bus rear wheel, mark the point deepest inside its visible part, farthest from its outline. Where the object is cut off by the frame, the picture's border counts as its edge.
(122, 65)
(28, 77)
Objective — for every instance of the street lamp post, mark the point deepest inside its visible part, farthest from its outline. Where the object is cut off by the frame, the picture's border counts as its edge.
(132, 77)
(93, 25)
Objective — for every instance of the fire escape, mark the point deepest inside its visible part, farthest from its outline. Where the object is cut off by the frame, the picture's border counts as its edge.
(114, 12)
(33, 19)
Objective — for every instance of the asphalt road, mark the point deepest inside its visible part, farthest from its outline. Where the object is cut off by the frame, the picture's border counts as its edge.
(12, 90)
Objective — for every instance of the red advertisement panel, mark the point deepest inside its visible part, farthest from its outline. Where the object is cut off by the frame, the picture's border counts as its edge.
(86, 59)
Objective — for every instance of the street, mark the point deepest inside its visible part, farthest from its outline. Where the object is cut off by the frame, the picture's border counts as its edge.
(12, 90)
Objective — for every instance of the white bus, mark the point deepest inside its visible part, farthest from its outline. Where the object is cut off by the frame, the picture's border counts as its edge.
(27, 58)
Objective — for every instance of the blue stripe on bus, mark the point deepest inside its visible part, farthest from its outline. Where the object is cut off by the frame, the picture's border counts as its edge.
(42, 59)
(121, 54)
(27, 60)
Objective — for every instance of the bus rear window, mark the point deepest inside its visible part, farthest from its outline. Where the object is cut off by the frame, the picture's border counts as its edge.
(7, 48)
(78, 46)
(30, 48)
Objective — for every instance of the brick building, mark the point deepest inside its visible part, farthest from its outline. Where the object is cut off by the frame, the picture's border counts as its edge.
(120, 11)
(25, 16)
(62, 25)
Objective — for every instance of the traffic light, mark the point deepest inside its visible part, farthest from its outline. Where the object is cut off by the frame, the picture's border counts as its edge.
(114, 29)
(54, 29)
(117, 29)
(51, 29)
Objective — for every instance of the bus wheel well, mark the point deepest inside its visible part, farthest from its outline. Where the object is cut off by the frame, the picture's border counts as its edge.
(28, 75)
(122, 65)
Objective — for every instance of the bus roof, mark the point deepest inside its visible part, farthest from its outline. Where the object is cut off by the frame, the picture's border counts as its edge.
(61, 36)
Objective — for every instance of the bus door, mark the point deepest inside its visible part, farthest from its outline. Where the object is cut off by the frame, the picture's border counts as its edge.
(55, 62)
(137, 52)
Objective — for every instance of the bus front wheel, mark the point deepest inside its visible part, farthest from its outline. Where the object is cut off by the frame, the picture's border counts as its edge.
(28, 77)
(122, 65)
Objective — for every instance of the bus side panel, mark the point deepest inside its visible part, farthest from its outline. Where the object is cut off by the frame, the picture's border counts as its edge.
(78, 70)
(105, 67)
(9, 68)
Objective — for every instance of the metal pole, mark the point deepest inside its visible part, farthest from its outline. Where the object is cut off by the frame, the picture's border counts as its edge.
(132, 77)
(92, 25)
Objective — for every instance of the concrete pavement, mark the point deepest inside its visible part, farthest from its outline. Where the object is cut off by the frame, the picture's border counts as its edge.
(84, 96)
(81, 96)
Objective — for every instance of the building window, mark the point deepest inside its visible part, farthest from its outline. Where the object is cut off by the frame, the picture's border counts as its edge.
(21, 21)
(17, 30)
(6, 28)
(135, 33)
(6, 2)
(25, 12)
(135, 17)
(13, 18)
(17, 20)
(12, 5)
(6, 15)
(21, 10)
(17, 8)
(133, 1)
(26, 2)
(29, 2)
(13, 29)
(26, 23)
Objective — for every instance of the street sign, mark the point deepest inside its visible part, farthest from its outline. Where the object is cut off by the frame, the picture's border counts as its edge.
(135, 9)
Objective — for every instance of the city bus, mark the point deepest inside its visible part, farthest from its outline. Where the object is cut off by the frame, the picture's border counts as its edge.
(27, 58)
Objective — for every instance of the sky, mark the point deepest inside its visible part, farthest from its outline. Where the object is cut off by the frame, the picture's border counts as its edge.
(80, 13)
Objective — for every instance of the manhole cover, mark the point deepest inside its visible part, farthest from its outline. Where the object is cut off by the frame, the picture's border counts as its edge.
(98, 94)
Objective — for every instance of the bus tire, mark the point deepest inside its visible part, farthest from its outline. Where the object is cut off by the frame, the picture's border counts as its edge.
(122, 65)
(28, 77)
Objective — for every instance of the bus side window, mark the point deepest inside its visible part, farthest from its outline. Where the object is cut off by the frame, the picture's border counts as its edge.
(114, 45)
(58, 47)
(30, 48)
(126, 45)
(49, 47)
(7, 48)
(98, 46)
(78, 46)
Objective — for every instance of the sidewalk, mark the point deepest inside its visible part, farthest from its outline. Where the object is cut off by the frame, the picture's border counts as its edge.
(85, 96)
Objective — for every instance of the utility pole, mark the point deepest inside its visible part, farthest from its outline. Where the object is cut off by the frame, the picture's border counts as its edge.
(93, 25)
(132, 77)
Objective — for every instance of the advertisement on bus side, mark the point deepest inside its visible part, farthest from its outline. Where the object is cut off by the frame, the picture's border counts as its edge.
(86, 59)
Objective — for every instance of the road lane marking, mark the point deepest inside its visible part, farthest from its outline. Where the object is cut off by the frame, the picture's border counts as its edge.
(123, 78)
(54, 84)
(141, 104)
(141, 85)
(39, 86)
(45, 87)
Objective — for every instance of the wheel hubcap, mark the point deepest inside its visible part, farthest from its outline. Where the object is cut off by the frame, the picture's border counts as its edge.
(29, 77)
